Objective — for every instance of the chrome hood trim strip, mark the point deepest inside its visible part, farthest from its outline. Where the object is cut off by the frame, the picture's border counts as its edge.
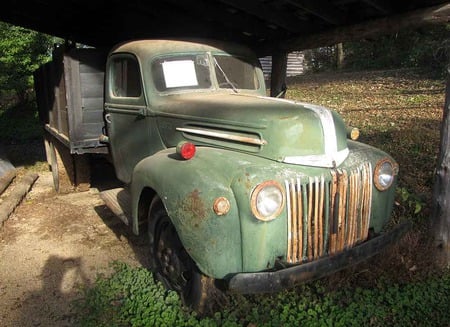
(225, 136)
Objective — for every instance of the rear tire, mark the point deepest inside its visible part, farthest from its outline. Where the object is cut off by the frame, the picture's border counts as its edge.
(53, 163)
(172, 264)
(70, 171)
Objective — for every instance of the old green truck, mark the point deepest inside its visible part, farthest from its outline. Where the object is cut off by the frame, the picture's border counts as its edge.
(237, 191)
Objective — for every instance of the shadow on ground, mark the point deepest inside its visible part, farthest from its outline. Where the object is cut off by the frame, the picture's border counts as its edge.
(48, 305)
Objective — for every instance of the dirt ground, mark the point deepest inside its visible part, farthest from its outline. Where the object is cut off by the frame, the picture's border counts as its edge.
(53, 244)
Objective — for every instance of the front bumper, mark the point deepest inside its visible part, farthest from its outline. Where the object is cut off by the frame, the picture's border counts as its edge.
(274, 281)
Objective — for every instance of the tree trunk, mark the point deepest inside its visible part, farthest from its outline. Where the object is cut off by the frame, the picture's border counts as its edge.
(340, 56)
(441, 192)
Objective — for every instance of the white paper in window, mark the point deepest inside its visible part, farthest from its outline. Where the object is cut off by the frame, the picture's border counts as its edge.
(179, 73)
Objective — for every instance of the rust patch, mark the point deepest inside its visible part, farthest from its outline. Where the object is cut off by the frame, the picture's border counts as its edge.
(194, 205)
(248, 183)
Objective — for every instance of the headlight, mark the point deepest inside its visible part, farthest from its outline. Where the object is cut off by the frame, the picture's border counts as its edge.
(267, 200)
(384, 175)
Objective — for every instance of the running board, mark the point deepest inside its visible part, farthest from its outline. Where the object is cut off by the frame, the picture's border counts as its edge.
(118, 200)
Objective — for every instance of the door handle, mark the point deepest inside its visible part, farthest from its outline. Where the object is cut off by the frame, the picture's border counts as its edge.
(108, 118)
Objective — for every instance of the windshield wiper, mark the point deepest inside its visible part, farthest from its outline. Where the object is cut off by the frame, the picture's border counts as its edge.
(225, 76)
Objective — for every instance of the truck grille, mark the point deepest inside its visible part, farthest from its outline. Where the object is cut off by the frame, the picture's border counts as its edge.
(325, 217)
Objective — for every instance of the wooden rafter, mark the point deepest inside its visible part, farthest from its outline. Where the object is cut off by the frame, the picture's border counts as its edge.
(433, 15)
(321, 8)
(268, 12)
(219, 14)
(384, 6)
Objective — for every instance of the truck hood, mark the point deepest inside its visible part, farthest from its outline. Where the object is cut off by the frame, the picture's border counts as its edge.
(277, 129)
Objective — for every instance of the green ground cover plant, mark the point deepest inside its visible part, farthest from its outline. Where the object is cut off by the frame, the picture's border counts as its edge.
(131, 297)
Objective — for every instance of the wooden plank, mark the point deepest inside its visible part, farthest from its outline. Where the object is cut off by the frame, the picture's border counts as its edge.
(227, 17)
(73, 95)
(384, 6)
(413, 19)
(269, 13)
(323, 9)
(15, 197)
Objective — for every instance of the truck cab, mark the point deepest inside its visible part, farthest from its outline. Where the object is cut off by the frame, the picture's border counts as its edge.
(150, 85)
(236, 190)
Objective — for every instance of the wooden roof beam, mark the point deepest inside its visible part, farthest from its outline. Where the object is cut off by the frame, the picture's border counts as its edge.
(233, 21)
(322, 9)
(267, 12)
(413, 19)
(383, 6)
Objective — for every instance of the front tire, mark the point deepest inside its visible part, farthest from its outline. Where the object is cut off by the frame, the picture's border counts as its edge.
(172, 264)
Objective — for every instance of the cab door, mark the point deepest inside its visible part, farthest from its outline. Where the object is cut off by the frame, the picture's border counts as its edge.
(127, 121)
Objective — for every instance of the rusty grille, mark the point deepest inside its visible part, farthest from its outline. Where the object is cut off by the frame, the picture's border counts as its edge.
(328, 216)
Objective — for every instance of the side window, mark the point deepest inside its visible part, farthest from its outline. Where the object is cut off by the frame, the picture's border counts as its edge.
(126, 81)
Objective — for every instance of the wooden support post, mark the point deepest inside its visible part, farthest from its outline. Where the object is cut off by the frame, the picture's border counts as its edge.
(441, 192)
(278, 75)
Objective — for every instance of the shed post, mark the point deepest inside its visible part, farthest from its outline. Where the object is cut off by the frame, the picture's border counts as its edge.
(278, 75)
(441, 191)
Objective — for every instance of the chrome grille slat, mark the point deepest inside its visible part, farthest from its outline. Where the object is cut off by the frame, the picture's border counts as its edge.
(328, 215)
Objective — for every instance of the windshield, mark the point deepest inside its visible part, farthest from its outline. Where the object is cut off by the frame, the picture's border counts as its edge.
(182, 72)
(235, 73)
(193, 71)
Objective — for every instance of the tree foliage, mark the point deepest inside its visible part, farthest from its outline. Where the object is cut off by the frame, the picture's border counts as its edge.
(428, 47)
(21, 52)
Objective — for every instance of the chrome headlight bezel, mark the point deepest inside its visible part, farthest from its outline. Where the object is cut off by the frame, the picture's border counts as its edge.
(267, 200)
(384, 174)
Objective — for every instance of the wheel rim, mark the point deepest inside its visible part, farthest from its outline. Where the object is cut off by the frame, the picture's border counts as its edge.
(174, 264)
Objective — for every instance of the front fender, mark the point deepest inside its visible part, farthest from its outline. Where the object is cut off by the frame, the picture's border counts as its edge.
(188, 189)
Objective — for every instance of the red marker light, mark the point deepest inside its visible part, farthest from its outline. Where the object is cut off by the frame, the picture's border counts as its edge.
(186, 150)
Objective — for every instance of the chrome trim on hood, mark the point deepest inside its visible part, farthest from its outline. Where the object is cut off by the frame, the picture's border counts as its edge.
(225, 136)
